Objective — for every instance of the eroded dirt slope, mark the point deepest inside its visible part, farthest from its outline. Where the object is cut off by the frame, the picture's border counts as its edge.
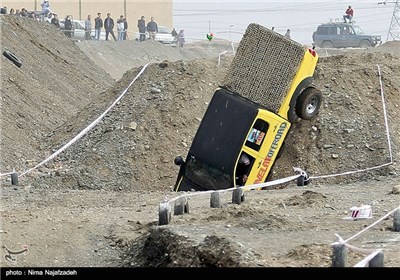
(55, 82)
(135, 145)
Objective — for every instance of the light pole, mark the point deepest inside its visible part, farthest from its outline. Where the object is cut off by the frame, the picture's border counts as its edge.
(230, 33)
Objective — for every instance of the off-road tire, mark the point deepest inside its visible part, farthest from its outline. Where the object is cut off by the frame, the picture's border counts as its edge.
(14, 59)
(365, 44)
(327, 45)
(308, 103)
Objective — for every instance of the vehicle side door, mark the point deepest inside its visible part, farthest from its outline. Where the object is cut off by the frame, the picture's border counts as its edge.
(79, 30)
(263, 143)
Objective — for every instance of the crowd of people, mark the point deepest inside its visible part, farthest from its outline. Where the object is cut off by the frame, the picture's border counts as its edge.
(146, 31)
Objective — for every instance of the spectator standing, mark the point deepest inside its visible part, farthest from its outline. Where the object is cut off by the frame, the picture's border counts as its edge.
(48, 18)
(55, 20)
(45, 9)
(175, 35)
(142, 28)
(181, 38)
(120, 28)
(88, 28)
(98, 25)
(12, 12)
(32, 15)
(24, 12)
(109, 26)
(287, 34)
(348, 14)
(125, 29)
(17, 12)
(68, 26)
(152, 28)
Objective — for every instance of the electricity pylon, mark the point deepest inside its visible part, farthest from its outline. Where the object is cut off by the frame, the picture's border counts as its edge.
(394, 29)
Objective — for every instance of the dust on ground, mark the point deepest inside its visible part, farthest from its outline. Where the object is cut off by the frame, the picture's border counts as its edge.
(96, 203)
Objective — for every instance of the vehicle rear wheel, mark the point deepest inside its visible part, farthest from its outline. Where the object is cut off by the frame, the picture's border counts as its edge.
(327, 44)
(308, 103)
(365, 44)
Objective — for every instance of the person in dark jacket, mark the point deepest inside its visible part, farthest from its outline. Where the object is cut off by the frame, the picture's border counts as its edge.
(98, 25)
(109, 26)
(152, 28)
(142, 29)
(55, 20)
(125, 28)
(68, 26)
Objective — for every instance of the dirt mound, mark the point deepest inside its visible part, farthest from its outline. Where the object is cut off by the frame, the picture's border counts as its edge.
(135, 145)
(162, 247)
(55, 82)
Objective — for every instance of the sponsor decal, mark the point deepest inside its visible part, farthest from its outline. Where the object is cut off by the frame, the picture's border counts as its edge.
(268, 159)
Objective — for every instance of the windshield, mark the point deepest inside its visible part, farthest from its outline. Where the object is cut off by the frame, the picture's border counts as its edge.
(357, 30)
(163, 29)
(206, 176)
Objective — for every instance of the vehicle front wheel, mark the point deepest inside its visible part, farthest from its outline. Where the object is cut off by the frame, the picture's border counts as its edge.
(365, 44)
(308, 103)
(327, 45)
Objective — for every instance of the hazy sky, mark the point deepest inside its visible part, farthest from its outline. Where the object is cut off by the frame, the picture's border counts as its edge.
(229, 19)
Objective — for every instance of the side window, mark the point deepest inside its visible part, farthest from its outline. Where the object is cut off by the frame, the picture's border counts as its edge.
(257, 135)
(322, 30)
(243, 168)
(333, 30)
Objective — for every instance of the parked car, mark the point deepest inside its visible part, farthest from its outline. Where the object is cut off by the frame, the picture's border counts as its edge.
(163, 35)
(78, 29)
(343, 35)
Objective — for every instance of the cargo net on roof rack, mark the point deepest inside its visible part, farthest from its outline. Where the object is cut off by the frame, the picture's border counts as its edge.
(264, 66)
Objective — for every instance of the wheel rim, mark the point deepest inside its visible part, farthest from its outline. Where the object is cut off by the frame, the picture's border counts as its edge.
(312, 106)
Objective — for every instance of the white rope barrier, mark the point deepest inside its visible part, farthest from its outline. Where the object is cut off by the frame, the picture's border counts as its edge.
(248, 187)
(365, 229)
(219, 57)
(85, 130)
(372, 252)
(5, 174)
(385, 114)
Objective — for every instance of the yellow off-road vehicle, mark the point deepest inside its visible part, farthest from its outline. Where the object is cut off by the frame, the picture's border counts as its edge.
(268, 87)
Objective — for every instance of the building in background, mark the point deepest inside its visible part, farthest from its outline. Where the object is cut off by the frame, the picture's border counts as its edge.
(161, 10)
